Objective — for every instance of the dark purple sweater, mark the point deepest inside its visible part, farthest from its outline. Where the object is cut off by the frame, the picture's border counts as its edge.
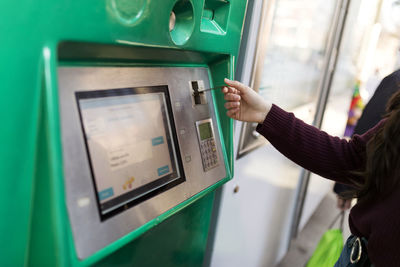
(331, 157)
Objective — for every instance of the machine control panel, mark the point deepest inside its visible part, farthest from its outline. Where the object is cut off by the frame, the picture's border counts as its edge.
(133, 139)
(208, 148)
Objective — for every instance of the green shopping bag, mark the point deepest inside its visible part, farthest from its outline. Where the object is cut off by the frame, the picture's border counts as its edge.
(329, 247)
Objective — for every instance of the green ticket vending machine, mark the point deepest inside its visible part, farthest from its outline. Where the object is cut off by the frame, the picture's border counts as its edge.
(111, 144)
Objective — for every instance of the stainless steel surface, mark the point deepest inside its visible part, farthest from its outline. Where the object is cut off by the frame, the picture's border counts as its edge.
(89, 232)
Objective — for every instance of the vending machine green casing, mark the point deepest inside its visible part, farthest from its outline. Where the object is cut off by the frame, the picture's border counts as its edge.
(50, 47)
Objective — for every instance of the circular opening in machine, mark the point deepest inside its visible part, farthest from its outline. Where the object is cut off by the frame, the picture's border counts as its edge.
(181, 22)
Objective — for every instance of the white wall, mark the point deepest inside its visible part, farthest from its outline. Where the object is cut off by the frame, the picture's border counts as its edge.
(253, 223)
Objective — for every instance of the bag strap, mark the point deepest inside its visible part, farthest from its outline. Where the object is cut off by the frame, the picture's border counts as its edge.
(341, 221)
(341, 216)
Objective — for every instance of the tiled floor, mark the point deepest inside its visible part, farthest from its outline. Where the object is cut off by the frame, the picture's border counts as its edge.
(302, 248)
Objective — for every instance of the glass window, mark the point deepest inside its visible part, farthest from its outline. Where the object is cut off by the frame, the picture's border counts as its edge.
(296, 51)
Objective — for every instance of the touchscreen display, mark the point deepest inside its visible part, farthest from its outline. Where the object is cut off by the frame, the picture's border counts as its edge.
(131, 144)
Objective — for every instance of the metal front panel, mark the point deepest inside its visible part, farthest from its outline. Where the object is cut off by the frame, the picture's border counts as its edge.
(89, 232)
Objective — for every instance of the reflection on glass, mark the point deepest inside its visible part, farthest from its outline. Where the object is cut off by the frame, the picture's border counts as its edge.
(365, 56)
(296, 51)
(352, 53)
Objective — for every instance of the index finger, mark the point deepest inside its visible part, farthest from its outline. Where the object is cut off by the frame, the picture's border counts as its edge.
(228, 89)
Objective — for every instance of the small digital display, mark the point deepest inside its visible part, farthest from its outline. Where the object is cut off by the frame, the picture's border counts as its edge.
(131, 143)
(205, 131)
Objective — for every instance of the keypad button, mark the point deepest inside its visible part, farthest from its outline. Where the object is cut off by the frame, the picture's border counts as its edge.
(208, 152)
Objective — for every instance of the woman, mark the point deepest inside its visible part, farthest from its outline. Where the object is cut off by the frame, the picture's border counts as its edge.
(371, 115)
(370, 163)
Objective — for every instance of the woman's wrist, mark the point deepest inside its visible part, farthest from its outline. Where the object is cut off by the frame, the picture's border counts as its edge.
(264, 113)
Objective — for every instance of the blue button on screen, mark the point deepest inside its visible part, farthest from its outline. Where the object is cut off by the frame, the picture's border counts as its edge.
(163, 170)
(106, 193)
(157, 141)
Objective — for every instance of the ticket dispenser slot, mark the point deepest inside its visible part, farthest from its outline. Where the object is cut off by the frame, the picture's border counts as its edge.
(198, 94)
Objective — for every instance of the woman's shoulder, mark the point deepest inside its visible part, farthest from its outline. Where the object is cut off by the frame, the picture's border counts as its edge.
(365, 137)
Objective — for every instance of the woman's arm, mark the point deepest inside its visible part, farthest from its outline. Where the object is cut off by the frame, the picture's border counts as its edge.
(315, 150)
(331, 157)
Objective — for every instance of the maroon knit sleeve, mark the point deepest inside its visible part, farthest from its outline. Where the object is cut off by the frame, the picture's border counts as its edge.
(331, 157)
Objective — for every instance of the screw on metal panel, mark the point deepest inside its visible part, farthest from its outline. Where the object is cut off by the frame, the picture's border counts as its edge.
(236, 189)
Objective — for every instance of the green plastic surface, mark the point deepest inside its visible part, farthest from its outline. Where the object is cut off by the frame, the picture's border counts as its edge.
(38, 36)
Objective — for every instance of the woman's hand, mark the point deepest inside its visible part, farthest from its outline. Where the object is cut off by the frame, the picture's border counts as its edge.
(343, 204)
(243, 103)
